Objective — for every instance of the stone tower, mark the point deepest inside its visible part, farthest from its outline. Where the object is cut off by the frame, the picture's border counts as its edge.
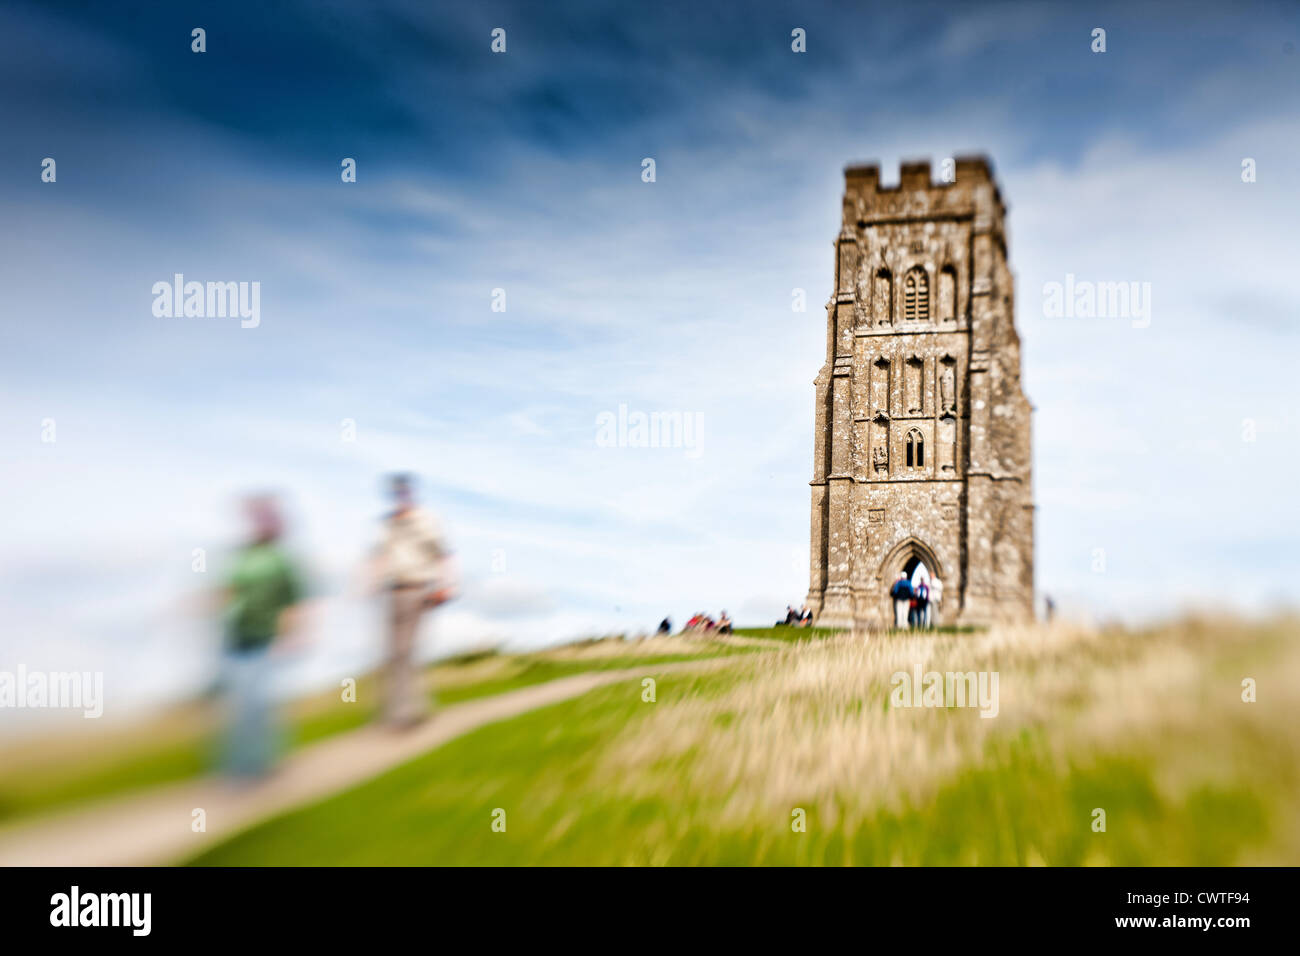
(922, 448)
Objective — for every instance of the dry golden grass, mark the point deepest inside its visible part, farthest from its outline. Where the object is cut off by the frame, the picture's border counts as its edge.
(813, 722)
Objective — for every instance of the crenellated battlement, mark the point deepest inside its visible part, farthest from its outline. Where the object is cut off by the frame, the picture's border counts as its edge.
(966, 188)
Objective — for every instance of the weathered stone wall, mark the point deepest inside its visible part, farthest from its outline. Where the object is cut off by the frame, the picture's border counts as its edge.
(922, 430)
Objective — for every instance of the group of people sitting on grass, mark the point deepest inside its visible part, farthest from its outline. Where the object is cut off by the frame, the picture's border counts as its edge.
(799, 618)
(702, 623)
(699, 623)
(916, 603)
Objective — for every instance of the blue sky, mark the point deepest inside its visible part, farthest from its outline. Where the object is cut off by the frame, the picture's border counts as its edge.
(522, 171)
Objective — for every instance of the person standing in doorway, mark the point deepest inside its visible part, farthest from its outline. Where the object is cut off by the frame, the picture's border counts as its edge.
(921, 598)
(901, 592)
(413, 568)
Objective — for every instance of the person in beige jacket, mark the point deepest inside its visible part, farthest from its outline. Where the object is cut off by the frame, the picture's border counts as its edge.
(412, 566)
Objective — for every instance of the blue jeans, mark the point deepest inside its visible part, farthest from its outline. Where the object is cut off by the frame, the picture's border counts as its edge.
(252, 738)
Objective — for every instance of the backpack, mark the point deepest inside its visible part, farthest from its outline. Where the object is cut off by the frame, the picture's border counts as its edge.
(901, 591)
(923, 592)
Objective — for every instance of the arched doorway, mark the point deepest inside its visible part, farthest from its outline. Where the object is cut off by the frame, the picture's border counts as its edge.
(915, 559)
(918, 574)
(917, 571)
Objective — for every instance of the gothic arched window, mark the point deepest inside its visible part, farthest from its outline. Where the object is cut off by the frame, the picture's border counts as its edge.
(916, 295)
(915, 449)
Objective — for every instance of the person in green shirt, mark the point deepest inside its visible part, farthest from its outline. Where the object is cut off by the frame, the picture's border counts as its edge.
(263, 589)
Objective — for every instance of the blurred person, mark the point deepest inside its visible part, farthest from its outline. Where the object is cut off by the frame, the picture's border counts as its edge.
(412, 566)
(901, 592)
(665, 627)
(724, 624)
(263, 592)
(936, 598)
(920, 603)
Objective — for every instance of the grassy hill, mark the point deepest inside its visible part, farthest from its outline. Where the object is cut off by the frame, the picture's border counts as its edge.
(54, 772)
(723, 767)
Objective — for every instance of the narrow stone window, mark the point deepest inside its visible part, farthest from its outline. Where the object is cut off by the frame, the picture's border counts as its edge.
(915, 449)
(883, 301)
(947, 294)
(916, 295)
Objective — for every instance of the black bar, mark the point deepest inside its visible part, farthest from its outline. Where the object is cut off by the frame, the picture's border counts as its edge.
(946, 907)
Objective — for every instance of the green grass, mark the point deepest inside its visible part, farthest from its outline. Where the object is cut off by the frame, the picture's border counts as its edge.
(439, 808)
(139, 764)
(1017, 807)
(1219, 791)
(540, 669)
(784, 633)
